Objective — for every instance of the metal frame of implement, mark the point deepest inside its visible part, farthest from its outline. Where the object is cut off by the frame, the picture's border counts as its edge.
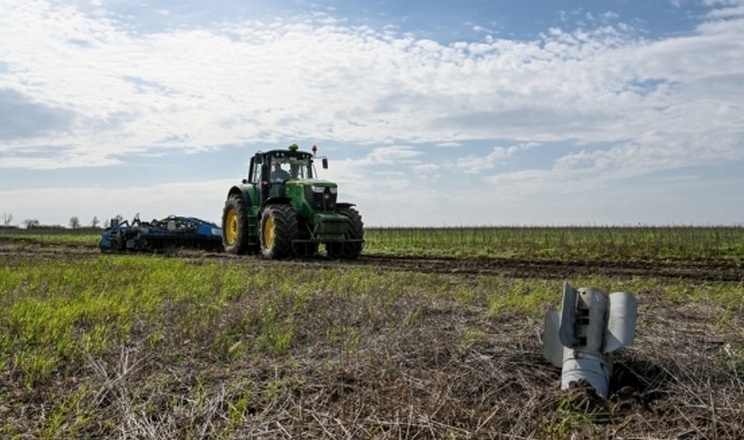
(172, 232)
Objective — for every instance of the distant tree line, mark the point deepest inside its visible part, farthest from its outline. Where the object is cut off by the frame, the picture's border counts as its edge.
(74, 223)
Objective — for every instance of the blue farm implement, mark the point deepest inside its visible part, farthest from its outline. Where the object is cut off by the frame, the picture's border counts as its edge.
(172, 232)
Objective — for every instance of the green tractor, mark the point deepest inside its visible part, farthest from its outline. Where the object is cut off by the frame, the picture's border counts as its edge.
(283, 210)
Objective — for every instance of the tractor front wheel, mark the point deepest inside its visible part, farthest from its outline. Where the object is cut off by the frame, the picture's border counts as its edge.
(235, 228)
(349, 249)
(278, 230)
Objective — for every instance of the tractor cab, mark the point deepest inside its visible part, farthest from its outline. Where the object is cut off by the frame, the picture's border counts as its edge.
(270, 171)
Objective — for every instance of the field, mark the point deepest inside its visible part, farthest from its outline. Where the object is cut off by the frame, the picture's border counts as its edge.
(431, 333)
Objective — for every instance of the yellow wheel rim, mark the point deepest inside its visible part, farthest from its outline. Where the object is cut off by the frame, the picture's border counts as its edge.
(268, 233)
(231, 225)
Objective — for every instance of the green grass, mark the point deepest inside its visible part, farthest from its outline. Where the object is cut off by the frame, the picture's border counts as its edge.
(56, 310)
(60, 315)
(67, 237)
(562, 243)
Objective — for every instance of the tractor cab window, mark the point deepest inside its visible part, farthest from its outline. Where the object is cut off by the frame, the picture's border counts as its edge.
(254, 174)
(301, 167)
(290, 167)
(279, 171)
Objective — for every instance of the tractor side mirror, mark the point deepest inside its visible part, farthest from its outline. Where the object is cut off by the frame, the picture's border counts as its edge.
(325, 163)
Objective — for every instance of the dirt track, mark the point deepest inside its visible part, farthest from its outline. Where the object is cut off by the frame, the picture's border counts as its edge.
(549, 269)
(699, 270)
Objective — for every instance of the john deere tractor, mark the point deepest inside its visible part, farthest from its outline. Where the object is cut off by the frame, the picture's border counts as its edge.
(283, 210)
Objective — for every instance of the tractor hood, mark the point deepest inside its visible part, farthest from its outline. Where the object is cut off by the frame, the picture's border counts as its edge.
(316, 182)
(319, 194)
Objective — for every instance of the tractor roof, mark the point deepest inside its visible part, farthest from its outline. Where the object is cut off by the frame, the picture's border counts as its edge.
(292, 150)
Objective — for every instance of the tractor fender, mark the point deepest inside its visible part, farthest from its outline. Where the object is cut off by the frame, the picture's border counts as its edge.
(345, 205)
(241, 191)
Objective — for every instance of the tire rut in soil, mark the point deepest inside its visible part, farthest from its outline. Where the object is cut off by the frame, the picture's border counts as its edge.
(554, 269)
(698, 270)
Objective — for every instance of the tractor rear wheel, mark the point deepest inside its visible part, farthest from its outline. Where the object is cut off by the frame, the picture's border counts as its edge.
(235, 228)
(278, 230)
(348, 250)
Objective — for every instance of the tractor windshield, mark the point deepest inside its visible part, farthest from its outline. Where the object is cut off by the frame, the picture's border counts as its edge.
(291, 167)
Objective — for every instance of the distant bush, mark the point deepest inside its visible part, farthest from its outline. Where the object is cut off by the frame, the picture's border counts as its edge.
(50, 230)
(46, 227)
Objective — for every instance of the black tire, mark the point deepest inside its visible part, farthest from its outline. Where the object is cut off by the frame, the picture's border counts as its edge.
(278, 229)
(235, 227)
(348, 250)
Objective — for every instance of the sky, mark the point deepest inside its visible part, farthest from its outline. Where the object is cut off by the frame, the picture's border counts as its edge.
(431, 113)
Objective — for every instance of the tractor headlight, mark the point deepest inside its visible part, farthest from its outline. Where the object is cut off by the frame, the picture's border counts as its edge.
(321, 189)
(321, 197)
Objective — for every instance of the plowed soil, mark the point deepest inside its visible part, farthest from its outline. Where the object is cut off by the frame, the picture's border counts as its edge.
(704, 270)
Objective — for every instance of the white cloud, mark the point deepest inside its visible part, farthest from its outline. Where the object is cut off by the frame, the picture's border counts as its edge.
(97, 91)
(392, 155)
(57, 162)
(426, 168)
(247, 81)
(498, 156)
